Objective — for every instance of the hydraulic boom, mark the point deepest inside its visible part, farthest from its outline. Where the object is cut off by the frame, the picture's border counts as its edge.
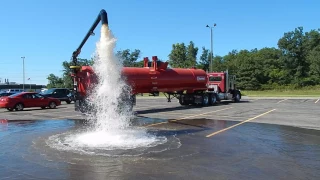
(104, 20)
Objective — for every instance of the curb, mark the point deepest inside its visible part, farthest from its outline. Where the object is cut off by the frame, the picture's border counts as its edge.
(281, 97)
(243, 97)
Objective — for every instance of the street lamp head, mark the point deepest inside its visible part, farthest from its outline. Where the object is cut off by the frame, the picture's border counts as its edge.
(214, 24)
(22, 57)
(207, 25)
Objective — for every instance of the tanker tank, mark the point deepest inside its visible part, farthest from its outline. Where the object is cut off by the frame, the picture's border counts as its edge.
(145, 80)
(157, 78)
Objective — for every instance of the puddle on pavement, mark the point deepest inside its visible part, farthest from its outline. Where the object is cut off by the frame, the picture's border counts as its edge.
(258, 151)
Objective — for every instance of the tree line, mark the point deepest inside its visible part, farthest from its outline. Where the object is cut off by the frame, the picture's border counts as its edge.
(294, 63)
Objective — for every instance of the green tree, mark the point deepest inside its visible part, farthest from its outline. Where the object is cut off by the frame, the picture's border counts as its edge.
(248, 70)
(66, 80)
(178, 56)
(191, 55)
(129, 58)
(54, 81)
(139, 63)
(272, 66)
(230, 61)
(294, 49)
(204, 60)
(314, 59)
(218, 64)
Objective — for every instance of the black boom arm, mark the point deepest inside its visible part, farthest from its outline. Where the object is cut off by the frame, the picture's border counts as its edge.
(104, 20)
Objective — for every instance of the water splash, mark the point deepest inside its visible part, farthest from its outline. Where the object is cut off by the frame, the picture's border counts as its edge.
(112, 129)
(107, 95)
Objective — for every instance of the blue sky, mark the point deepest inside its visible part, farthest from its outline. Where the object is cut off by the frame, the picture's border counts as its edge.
(47, 32)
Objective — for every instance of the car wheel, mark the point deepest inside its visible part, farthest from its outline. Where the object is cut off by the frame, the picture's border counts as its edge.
(52, 105)
(68, 101)
(19, 107)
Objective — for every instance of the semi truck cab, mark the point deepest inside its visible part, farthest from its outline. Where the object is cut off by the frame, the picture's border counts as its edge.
(224, 85)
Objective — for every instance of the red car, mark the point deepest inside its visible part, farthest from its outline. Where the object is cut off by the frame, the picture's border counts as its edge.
(26, 100)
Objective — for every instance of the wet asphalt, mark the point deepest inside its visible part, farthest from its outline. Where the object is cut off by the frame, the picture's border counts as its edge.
(253, 139)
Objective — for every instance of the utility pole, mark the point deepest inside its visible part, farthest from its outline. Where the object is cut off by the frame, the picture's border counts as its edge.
(23, 71)
(30, 84)
(211, 52)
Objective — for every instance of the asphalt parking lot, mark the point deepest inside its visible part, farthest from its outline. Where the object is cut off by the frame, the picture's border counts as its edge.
(292, 112)
(253, 139)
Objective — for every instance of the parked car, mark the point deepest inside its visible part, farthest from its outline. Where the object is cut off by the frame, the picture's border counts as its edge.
(23, 100)
(2, 94)
(60, 93)
(14, 90)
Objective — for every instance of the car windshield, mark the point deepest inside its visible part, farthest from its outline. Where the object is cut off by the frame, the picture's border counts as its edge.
(49, 91)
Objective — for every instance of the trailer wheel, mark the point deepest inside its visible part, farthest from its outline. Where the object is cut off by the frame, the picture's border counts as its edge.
(182, 101)
(212, 99)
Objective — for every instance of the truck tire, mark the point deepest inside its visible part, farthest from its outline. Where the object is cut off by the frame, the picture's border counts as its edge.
(236, 96)
(84, 107)
(213, 99)
(205, 99)
(182, 101)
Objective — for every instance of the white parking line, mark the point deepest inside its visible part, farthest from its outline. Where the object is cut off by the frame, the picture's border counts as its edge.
(282, 101)
(242, 122)
(317, 101)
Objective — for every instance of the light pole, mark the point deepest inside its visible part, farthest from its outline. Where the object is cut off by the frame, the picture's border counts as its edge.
(29, 84)
(211, 59)
(23, 71)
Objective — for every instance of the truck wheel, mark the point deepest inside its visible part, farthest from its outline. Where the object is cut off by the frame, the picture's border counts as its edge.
(237, 96)
(205, 100)
(212, 99)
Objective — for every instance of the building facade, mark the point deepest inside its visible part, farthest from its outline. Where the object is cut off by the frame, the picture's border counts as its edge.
(18, 87)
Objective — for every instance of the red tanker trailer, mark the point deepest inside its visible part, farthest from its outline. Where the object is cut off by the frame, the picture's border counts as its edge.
(159, 78)
(189, 86)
